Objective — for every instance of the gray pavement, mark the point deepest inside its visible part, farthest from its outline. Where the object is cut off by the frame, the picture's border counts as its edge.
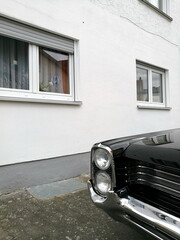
(27, 174)
(55, 189)
(66, 215)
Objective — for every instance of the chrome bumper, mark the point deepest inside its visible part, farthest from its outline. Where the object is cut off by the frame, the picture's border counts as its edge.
(154, 221)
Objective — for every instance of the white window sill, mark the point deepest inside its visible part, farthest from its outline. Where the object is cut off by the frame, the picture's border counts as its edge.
(139, 106)
(38, 100)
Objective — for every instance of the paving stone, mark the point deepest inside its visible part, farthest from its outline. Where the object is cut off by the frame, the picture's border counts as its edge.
(54, 189)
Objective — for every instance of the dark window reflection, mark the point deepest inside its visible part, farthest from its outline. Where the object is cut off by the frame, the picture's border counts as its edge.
(142, 84)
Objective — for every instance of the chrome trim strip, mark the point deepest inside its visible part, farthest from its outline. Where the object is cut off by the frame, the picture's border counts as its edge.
(162, 220)
(154, 217)
(156, 185)
(145, 229)
(154, 170)
(153, 177)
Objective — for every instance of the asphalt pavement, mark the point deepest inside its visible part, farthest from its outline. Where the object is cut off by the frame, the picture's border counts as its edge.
(63, 213)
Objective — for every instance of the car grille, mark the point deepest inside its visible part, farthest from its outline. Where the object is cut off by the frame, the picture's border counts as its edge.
(155, 184)
(157, 177)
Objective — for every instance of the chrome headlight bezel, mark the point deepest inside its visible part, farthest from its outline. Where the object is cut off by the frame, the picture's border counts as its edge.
(102, 156)
(108, 169)
(104, 185)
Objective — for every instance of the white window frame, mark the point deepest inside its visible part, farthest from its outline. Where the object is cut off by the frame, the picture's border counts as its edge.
(34, 94)
(150, 102)
(34, 59)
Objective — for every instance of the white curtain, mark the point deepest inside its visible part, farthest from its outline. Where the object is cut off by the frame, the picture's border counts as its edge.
(14, 70)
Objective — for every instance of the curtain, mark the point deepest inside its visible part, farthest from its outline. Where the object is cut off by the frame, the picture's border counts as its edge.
(14, 70)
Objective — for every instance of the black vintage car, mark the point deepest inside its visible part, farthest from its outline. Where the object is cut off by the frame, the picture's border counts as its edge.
(137, 180)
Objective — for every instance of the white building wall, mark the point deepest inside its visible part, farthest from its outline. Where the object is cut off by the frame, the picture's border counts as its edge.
(112, 35)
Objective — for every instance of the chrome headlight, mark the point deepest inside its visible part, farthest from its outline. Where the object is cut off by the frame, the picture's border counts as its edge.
(103, 182)
(102, 158)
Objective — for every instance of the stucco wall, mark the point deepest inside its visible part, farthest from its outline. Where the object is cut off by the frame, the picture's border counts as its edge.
(111, 37)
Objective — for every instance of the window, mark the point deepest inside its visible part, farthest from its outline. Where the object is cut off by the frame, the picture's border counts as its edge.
(150, 83)
(160, 4)
(35, 64)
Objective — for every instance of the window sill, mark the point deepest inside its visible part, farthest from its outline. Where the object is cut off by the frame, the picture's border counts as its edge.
(153, 107)
(36, 100)
(157, 10)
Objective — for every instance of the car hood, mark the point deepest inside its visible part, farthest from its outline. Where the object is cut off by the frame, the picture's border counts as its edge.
(162, 149)
(159, 147)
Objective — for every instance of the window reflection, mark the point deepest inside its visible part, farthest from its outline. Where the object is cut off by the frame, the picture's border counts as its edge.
(158, 140)
(142, 84)
(54, 72)
(157, 87)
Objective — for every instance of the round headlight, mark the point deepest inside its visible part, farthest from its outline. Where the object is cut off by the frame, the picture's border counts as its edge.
(103, 182)
(102, 158)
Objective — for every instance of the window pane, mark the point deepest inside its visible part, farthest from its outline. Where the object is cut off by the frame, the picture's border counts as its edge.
(162, 139)
(155, 3)
(54, 72)
(142, 84)
(161, 4)
(157, 87)
(14, 65)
